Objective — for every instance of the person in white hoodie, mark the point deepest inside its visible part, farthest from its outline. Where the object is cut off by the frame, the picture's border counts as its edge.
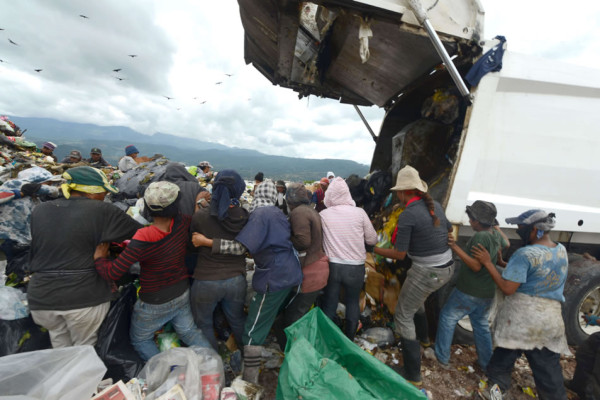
(346, 229)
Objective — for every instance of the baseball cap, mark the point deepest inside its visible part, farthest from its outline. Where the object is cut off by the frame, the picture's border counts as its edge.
(483, 211)
(95, 150)
(159, 195)
(205, 164)
(528, 217)
(49, 145)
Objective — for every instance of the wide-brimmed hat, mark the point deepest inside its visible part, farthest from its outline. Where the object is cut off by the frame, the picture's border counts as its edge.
(483, 211)
(409, 179)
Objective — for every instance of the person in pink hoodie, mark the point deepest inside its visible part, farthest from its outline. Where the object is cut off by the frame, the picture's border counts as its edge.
(346, 229)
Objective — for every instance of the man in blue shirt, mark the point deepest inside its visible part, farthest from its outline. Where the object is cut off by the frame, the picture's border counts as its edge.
(530, 319)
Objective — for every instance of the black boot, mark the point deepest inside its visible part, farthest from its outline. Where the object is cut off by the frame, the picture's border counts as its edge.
(411, 352)
(422, 329)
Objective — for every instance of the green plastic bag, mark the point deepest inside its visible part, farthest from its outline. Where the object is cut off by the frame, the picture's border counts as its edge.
(322, 363)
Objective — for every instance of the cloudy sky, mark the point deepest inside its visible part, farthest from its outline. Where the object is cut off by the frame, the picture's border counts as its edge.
(184, 48)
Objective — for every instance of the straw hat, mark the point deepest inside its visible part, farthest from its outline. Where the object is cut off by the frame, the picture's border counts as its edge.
(408, 179)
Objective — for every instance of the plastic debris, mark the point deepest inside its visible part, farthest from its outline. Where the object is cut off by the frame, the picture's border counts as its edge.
(379, 336)
(528, 391)
(246, 390)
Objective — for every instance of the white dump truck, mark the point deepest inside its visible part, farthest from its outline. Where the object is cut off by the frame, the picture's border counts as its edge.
(523, 137)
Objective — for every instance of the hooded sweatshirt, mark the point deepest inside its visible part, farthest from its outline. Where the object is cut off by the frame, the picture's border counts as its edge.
(188, 186)
(346, 228)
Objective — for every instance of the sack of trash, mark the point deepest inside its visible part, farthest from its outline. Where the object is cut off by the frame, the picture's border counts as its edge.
(322, 363)
(134, 182)
(54, 374)
(197, 371)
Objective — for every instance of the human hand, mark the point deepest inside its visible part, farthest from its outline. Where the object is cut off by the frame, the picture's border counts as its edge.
(101, 251)
(199, 240)
(451, 240)
(481, 254)
(205, 194)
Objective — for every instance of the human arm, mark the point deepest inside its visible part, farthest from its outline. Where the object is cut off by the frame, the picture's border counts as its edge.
(483, 256)
(469, 261)
(219, 246)
(390, 253)
(505, 242)
(369, 231)
(202, 199)
(301, 231)
(112, 270)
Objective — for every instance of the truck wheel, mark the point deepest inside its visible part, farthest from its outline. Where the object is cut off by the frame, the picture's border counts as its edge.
(582, 295)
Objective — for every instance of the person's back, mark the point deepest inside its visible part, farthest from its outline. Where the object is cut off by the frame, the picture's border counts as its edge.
(346, 227)
(66, 295)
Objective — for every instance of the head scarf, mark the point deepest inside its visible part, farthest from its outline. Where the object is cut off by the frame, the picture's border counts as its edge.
(86, 180)
(296, 194)
(227, 189)
(264, 195)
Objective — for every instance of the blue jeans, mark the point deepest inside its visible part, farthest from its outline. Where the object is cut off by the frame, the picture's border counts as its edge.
(351, 277)
(457, 306)
(231, 293)
(148, 318)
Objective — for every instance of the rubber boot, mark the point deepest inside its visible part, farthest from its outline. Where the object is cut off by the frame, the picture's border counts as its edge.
(422, 329)
(252, 356)
(350, 329)
(411, 353)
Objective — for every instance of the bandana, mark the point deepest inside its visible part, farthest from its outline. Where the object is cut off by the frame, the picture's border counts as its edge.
(264, 195)
(227, 188)
(86, 180)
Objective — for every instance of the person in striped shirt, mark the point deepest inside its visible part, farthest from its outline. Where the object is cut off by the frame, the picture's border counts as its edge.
(160, 249)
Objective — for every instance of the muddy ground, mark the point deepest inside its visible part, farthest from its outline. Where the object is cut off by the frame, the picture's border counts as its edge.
(463, 381)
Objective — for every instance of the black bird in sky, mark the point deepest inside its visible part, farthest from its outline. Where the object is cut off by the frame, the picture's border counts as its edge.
(117, 70)
(132, 55)
(1, 29)
(11, 42)
(83, 16)
(218, 83)
(168, 98)
(1, 61)
(229, 75)
(202, 102)
(121, 79)
(38, 70)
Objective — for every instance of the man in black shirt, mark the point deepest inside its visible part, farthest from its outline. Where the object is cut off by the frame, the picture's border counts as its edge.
(96, 160)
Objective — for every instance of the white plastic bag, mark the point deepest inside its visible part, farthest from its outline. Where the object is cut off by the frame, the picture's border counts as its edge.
(198, 370)
(13, 303)
(69, 373)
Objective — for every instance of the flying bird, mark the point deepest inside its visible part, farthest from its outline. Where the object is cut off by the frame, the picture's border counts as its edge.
(11, 42)
(37, 70)
(121, 79)
(132, 55)
(83, 16)
(168, 98)
(1, 29)
(202, 102)
(117, 70)
(218, 83)
(1, 61)
(229, 75)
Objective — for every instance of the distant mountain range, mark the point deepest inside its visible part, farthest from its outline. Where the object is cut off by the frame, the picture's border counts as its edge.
(113, 139)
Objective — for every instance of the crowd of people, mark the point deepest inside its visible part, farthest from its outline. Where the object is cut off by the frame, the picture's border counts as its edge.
(308, 248)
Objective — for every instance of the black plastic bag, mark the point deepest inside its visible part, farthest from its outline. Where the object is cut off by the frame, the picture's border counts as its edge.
(22, 335)
(376, 190)
(114, 347)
